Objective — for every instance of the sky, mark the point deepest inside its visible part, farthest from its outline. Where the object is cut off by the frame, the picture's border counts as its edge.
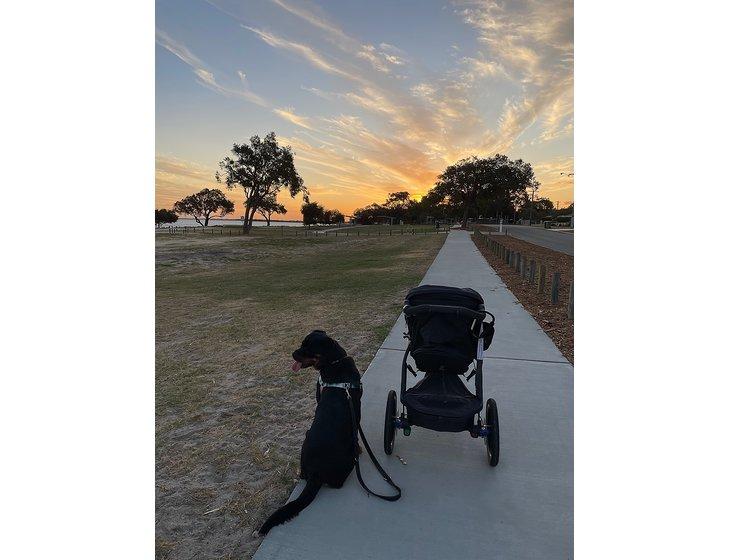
(373, 97)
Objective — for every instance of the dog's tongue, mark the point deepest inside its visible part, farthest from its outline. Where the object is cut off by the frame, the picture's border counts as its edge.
(296, 366)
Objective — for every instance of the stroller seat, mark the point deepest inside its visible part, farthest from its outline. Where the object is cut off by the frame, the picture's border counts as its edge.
(441, 401)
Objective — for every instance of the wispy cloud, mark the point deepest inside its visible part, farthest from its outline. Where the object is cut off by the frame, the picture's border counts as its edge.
(288, 114)
(382, 58)
(176, 178)
(304, 51)
(205, 77)
(532, 42)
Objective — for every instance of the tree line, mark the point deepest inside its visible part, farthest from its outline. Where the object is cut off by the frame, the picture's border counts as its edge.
(473, 188)
(483, 189)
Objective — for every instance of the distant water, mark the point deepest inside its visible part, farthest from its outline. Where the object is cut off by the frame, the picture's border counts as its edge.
(189, 222)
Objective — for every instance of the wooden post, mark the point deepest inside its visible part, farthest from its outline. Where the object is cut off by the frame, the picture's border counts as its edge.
(516, 263)
(524, 267)
(554, 293)
(541, 273)
(532, 270)
(570, 302)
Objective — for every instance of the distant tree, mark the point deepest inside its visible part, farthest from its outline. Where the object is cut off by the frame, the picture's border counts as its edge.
(398, 204)
(164, 216)
(370, 214)
(204, 203)
(261, 168)
(336, 217)
(270, 207)
(497, 180)
(312, 213)
(535, 209)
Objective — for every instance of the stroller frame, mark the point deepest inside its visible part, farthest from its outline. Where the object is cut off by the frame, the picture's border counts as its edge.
(489, 431)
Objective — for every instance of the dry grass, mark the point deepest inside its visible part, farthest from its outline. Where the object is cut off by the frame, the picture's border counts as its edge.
(230, 415)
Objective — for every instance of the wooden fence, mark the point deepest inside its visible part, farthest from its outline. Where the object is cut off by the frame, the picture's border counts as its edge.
(284, 231)
(534, 272)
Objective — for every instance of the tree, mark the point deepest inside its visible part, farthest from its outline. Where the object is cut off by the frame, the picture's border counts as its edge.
(201, 205)
(369, 214)
(398, 204)
(261, 168)
(497, 180)
(270, 207)
(164, 216)
(536, 209)
(335, 217)
(312, 213)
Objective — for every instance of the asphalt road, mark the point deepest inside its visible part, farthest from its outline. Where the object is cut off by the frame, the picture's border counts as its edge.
(550, 238)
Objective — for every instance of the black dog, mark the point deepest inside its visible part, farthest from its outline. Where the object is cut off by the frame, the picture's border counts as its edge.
(330, 447)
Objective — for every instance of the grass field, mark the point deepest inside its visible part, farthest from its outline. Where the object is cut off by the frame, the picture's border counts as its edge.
(230, 414)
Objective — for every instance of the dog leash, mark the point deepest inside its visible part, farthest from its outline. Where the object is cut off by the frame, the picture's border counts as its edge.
(356, 428)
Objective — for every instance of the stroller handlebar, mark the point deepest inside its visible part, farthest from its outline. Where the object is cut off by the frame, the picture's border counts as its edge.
(447, 309)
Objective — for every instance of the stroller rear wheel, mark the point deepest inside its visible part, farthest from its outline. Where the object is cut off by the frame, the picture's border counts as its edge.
(492, 439)
(390, 417)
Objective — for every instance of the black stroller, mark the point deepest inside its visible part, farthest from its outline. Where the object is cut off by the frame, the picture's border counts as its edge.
(447, 333)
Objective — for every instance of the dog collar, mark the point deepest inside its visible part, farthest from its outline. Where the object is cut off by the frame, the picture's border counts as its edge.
(345, 386)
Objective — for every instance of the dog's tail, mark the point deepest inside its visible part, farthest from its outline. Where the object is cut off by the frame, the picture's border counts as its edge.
(292, 509)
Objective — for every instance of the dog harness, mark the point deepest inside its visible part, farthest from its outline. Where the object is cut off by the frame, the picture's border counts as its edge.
(356, 428)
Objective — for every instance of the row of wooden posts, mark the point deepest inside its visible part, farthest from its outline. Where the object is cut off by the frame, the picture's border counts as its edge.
(534, 272)
(183, 230)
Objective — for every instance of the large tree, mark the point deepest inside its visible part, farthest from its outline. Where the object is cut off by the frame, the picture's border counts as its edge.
(270, 207)
(261, 168)
(164, 216)
(203, 204)
(497, 180)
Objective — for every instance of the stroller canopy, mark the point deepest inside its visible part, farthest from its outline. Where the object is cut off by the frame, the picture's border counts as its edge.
(443, 324)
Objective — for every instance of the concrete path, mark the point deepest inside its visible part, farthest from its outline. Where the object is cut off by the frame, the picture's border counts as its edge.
(455, 506)
(554, 239)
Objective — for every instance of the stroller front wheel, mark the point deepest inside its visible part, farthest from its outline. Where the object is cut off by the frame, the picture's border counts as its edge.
(492, 438)
(389, 428)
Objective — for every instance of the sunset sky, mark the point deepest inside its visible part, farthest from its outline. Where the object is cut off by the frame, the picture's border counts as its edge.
(373, 97)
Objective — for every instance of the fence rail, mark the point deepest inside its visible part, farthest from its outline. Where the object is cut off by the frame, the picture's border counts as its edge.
(284, 231)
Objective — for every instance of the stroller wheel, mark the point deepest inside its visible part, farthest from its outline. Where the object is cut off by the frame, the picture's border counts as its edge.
(492, 439)
(389, 429)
